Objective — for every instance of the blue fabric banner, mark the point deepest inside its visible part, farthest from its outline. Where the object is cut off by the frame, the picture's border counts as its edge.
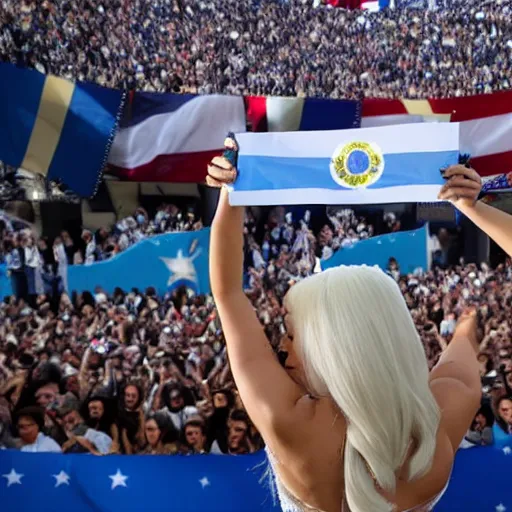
(409, 248)
(480, 482)
(164, 262)
(57, 128)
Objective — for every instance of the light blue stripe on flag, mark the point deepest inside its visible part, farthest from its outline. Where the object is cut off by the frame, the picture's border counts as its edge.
(272, 173)
(392, 164)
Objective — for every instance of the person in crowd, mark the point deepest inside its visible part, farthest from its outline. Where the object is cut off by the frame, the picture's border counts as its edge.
(98, 412)
(69, 247)
(130, 419)
(81, 438)
(503, 426)
(61, 260)
(403, 458)
(90, 247)
(239, 441)
(15, 259)
(33, 264)
(30, 424)
(194, 433)
(161, 436)
(480, 432)
(174, 400)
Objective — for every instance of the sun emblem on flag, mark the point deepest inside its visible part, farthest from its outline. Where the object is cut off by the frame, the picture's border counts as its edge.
(357, 164)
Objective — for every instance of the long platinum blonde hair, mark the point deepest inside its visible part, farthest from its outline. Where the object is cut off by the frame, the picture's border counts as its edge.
(359, 345)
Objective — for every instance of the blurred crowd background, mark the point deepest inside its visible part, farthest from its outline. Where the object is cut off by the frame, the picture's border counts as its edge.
(135, 372)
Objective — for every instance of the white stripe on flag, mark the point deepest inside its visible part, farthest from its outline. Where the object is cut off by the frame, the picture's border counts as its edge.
(487, 136)
(391, 140)
(284, 114)
(370, 6)
(375, 121)
(412, 194)
(201, 124)
(478, 137)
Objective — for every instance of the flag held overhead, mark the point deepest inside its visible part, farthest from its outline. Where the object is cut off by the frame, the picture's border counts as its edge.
(365, 166)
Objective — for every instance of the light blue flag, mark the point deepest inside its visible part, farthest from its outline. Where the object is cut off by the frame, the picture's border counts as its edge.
(392, 164)
(409, 248)
(164, 262)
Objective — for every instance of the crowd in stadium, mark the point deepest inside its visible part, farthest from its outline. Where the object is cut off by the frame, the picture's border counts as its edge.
(264, 47)
(133, 372)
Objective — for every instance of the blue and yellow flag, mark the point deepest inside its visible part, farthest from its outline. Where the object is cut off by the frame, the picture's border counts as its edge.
(56, 128)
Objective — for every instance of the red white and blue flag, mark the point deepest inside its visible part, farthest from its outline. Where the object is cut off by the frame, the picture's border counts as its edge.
(172, 137)
(485, 124)
(275, 114)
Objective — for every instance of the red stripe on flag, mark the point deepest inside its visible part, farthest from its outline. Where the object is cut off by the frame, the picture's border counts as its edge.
(379, 107)
(176, 168)
(461, 109)
(256, 110)
(490, 165)
(474, 107)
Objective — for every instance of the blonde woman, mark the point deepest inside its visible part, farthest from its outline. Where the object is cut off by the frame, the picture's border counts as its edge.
(354, 420)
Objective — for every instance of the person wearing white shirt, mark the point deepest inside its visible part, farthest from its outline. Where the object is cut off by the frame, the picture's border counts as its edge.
(59, 253)
(82, 437)
(90, 247)
(32, 263)
(30, 422)
(42, 443)
(176, 408)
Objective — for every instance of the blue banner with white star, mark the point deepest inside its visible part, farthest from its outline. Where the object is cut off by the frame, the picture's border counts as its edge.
(164, 262)
(410, 248)
(205, 483)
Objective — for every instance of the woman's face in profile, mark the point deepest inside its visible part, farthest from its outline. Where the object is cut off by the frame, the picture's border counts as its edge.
(292, 363)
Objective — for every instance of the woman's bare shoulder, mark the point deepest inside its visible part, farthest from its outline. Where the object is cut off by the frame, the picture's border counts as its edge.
(411, 494)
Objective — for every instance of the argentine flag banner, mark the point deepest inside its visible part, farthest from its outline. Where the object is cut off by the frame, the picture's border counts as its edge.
(392, 164)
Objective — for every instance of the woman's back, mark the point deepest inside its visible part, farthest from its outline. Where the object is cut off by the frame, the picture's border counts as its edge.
(315, 481)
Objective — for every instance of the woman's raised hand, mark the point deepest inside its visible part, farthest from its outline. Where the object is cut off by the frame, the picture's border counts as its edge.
(462, 187)
(220, 172)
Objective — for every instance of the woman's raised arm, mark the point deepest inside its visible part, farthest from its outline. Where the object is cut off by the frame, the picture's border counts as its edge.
(256, 370)
(462, 189)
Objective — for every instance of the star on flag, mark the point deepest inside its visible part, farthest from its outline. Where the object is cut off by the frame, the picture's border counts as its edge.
(204, 482)
(61, 479)
(501, 508)
(13, 477)
(118, 480)
(182, 267)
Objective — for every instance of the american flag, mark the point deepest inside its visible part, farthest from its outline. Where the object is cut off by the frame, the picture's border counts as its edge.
(485, 124)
